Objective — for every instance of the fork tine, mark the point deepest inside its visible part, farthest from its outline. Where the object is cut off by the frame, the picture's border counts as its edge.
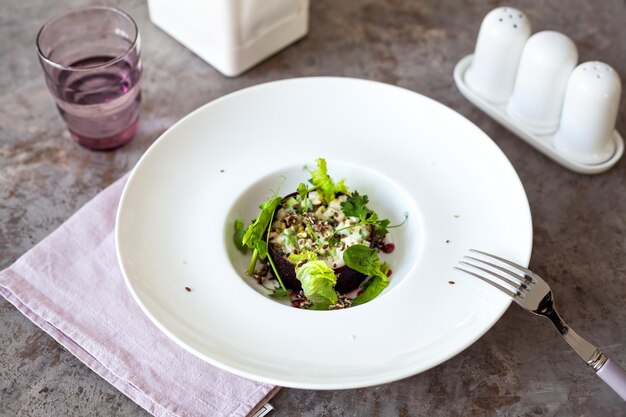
(525, 270)
(488, 281)
(524, 278)
(517, 285)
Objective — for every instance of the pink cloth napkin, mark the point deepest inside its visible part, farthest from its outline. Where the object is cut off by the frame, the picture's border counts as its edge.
(71, 286)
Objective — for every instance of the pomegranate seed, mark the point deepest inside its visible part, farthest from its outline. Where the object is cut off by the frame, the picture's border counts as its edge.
(389, 247)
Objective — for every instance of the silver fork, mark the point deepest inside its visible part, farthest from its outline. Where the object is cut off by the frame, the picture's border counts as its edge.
(532, 293)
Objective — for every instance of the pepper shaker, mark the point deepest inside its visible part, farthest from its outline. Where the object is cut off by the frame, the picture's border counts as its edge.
(589, 113)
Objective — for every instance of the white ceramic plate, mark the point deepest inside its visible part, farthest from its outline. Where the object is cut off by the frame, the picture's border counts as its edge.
(407, 152)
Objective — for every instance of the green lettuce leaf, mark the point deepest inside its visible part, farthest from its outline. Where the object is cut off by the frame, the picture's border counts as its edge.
(366, 261)
(374, 287)
(303, 191)
(238, 236)
(318, 283)
(362, 259)
(325, 185)
(307, 255)
(279, 292)
(254, 237)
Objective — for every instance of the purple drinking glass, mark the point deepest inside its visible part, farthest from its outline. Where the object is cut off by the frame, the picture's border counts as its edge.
(92, 66)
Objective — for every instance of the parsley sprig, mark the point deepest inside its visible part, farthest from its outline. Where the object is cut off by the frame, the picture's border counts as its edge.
(356, 206)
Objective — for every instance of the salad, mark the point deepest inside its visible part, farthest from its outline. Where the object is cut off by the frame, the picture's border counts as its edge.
(319, 245)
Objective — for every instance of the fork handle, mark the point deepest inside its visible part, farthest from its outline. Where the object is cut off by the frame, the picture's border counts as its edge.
(614, 376)
(609, 371)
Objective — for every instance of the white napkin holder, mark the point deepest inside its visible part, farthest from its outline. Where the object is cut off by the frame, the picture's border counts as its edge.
(232, 35)
(566, 113)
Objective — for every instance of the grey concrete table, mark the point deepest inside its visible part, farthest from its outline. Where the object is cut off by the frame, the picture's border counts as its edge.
(579, 221)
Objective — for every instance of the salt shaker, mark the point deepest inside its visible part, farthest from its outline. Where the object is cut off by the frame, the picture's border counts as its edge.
(546, 63)
(501, 39)
(589, 113)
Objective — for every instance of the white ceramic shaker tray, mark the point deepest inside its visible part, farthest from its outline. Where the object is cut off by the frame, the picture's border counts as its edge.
(543, 143)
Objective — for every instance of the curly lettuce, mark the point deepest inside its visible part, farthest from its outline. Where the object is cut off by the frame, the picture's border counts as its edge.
(317, 279)
(324, 184)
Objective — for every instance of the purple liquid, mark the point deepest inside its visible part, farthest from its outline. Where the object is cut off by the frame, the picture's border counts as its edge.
(100, 107)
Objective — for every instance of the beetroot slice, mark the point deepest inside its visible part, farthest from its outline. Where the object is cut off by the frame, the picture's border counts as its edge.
(347, 278)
